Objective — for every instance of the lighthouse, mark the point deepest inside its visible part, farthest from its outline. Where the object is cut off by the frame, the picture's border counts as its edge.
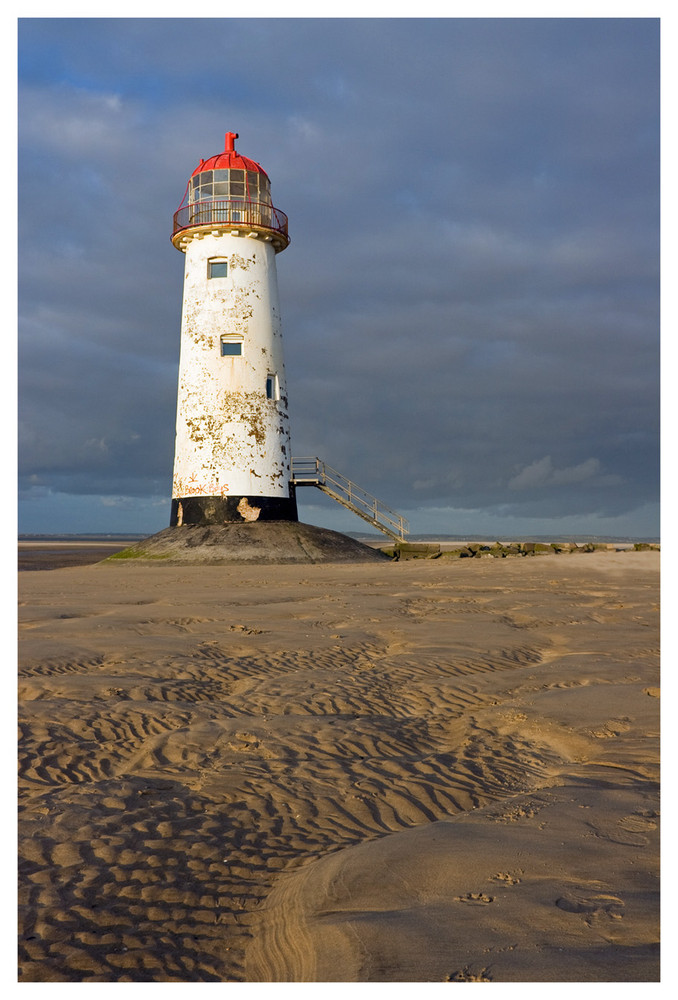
(232, 459)
(234, 485)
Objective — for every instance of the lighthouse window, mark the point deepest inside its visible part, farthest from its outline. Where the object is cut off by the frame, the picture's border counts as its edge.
(257, 187)
(202, 186)
(217, 268)
(230, 185)
(272, 388)
(231, 347)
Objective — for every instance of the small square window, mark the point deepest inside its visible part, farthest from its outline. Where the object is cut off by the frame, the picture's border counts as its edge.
(217, 268)
(230, 347)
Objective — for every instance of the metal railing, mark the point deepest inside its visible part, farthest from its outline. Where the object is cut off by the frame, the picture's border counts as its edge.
(243, 213)
(313, 472)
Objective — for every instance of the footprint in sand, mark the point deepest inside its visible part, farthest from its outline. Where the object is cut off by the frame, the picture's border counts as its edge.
(474, 897)
(505, 877)
(466, 975)
(638, 823)
(591, 904)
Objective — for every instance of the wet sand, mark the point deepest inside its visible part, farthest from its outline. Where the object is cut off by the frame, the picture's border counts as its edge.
(48, 554)
(420, 771)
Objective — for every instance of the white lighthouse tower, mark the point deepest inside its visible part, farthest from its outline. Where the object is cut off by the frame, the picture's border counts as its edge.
(232, 451)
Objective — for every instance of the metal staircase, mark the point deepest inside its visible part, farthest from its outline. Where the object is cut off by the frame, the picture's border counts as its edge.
(313, 472)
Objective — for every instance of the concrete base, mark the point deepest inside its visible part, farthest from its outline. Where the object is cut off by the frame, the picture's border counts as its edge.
(261, 542)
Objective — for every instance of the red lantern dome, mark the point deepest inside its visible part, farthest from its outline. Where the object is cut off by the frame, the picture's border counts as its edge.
(229, 159)
(230, 190)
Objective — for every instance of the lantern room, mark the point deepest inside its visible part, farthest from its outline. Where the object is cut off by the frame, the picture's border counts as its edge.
(230, 189)
(229, 176)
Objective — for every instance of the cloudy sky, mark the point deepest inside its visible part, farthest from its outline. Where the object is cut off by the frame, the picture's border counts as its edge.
(470, 299)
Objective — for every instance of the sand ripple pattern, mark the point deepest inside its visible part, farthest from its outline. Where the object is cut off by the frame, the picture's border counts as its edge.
(166, 781)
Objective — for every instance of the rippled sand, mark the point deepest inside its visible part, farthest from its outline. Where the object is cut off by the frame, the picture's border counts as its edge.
(415, 771)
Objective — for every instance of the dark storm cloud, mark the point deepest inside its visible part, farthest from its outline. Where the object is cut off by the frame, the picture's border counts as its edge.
(470, 299)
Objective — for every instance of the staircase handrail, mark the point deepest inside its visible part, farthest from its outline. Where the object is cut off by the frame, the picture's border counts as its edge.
(314, 472)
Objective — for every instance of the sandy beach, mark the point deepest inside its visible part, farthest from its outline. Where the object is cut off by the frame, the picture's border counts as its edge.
(417, 771)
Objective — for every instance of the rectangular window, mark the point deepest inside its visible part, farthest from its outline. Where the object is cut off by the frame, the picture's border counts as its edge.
(253, 185)
(272, 388)
(231, 347)
(217, 268)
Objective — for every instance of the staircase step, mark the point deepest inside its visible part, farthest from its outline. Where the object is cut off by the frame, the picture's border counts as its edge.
(313, 472)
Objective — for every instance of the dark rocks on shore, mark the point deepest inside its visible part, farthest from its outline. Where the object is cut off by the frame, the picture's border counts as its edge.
(498, 550)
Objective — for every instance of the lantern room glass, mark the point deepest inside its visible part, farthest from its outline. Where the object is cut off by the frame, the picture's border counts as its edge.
(230, 185)
(233, 195)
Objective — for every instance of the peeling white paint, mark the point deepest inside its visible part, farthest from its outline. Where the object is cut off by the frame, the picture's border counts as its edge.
(231, 440)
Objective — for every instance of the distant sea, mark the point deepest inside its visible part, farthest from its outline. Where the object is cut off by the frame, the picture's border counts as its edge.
(365, 536)
(85, 537)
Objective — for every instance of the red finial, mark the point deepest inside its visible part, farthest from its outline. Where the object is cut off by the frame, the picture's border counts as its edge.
(229, 146)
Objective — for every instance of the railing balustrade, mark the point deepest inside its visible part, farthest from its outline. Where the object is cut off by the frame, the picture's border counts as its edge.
(245, 213)
(314, 472)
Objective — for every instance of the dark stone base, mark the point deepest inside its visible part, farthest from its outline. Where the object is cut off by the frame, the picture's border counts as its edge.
(254, 542)
(232, 510)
